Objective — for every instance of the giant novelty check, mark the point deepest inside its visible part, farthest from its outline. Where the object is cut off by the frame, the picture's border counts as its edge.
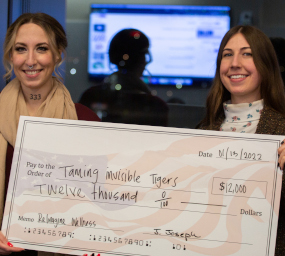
(113, 189)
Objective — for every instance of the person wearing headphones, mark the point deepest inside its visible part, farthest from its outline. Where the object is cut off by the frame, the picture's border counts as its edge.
(123, 97)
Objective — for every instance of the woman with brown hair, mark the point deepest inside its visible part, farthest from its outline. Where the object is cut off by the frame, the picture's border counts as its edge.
(247, 95)
(33, 48)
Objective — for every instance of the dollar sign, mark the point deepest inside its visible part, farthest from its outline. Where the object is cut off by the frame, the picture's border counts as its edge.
(222, 186)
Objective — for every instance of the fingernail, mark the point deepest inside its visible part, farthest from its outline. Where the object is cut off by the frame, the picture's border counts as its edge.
(85, 254)
(9, 244)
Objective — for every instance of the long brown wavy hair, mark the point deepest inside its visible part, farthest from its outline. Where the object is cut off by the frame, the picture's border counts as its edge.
(265, 60)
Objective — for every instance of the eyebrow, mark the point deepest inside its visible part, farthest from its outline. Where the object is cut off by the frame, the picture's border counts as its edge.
(243, 48)
(36, 44)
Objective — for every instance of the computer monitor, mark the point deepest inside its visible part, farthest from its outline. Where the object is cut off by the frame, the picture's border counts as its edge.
(184, 40)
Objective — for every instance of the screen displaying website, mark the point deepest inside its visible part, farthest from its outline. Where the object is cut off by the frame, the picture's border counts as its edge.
(184, 40)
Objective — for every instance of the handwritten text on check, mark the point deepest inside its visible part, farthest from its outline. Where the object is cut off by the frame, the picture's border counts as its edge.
(119, 189)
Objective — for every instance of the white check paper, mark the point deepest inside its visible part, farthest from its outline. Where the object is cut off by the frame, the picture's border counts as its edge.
(81, 187)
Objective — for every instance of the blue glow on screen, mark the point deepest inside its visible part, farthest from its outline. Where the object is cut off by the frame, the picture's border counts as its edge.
(184, 40)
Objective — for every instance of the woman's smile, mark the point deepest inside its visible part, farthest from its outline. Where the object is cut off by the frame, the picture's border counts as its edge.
(32, 73)
(237, 76)
(238, 72)
(32, 49)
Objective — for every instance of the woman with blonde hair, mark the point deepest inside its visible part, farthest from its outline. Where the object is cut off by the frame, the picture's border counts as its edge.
(247, 95)
(33, 48)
